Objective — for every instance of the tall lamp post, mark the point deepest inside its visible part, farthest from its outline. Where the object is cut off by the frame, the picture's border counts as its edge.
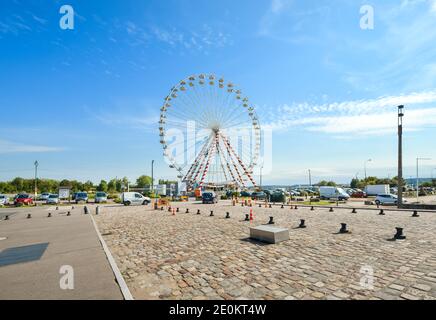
(417, 176)
(400, 155)
(152, 176)
(36, 178)
(364, 166)
(310, 178)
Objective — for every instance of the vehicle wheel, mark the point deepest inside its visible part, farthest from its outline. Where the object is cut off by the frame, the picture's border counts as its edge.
(377, 202)
(127, 203)
(145, 203)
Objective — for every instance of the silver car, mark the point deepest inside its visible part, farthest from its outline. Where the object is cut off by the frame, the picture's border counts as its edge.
(53, 199)
(44, 196)
(386, 199)
(4, 200)
(100, 197)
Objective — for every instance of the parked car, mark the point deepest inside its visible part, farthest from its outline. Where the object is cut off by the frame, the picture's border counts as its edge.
(4, 200)
(81, 197)
(209, 197)
(386, 199)
(23, 199)
(100, 197)
(245, 194)
(258, 195)
(134, 198)
(53, 199)
(358, 194)
(44, 196)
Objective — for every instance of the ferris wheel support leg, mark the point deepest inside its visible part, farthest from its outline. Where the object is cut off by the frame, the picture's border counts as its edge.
(209, 157)
(234, 164)
(239, 160)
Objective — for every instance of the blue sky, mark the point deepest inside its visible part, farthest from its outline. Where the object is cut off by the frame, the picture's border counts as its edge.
(85, 102)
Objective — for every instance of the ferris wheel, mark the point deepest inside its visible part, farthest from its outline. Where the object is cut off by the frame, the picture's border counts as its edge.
(210, 133)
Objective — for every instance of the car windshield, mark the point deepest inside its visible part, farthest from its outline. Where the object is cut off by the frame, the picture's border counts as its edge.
(23, 196)
(2, 197)
(81, 194)
(53, 196)
(101, 194)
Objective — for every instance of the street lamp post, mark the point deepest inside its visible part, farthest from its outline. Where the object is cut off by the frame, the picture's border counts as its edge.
(310, 178)
(400, 155)
(261, 176)
(36, 178)
(364, 166)
(417, 176)
(152, 176)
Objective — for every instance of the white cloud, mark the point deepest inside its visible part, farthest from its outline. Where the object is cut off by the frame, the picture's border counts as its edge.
(363, 117)
(12, 147)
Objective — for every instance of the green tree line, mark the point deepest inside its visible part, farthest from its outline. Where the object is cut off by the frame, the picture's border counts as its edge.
(18, 185)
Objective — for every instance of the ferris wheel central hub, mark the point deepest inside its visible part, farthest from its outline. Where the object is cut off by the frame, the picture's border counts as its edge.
(218, 106)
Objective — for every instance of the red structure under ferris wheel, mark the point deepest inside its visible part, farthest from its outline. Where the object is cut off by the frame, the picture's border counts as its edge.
(210, 133)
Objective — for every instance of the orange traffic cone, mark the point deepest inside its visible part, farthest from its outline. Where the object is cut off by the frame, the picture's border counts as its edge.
(251, 215)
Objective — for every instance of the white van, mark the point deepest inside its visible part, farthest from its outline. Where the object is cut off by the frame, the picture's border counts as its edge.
(134, 198)
(333, 193)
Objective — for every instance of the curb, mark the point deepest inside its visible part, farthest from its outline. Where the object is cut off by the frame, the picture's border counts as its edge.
(120, 280)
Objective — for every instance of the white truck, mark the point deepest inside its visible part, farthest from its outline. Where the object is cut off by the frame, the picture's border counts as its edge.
(333, 193)
(375, 190)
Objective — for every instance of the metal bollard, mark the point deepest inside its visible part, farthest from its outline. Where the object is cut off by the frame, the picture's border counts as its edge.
(331, 209)
(85, 210)
(382, 212)
(271, 220)
(6, 217)
(227, 215)
(247, 217)
(187, 210)
(198, 211)
(312, 208)
(399, 234)
(415, 214)
(68, 213)
(282, 206)
(343, 228)
(49, 215)
(29, 216)
(211, 214)
(177, 210)
(302, 224)
(354, 210)
(97, 210)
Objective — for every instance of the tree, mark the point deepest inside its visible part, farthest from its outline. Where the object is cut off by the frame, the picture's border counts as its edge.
(143, 181)
(324, 183)
(103, 186)
(354, 183)
(88, 186)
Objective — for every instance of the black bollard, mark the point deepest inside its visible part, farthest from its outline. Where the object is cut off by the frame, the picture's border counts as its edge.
(187, 210)
(282, 206)
(344, 228)
(6, 217)
(260, 205)
(415, 214)
(312, 208)
(177, 210)
(247, 218)
(295, 207)
(198, 211)
(72, 208)
(49, 215)
(211, 214)
(302, 225)
(227, 215)
(161, 208)
(399, 235)
(354, 210)
(69, 214)
(331, 209)
(271, 220)
(382, 212)
(57, 208)
(85, 209)
(270, 205)
(29, 216)
(169, 209)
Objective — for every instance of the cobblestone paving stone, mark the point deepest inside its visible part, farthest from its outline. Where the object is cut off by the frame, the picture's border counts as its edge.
(190, 256)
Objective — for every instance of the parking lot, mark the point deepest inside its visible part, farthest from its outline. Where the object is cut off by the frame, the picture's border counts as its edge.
(191, 256)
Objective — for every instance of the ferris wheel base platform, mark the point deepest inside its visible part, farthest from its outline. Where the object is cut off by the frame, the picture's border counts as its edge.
(269, 234)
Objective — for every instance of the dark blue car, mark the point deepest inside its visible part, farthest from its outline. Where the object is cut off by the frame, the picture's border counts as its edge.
(209, 197)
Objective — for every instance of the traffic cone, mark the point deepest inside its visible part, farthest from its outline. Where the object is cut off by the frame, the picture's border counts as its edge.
(174, 211)
(251, 215)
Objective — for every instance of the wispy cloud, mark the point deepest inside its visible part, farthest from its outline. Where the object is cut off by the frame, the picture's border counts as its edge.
(13, 147)
(361, 117)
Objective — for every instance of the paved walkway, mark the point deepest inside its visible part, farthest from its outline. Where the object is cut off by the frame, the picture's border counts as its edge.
(35, 249)
(190, 256)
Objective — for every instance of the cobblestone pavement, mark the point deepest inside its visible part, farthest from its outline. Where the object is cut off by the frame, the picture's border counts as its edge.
(190, 256)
